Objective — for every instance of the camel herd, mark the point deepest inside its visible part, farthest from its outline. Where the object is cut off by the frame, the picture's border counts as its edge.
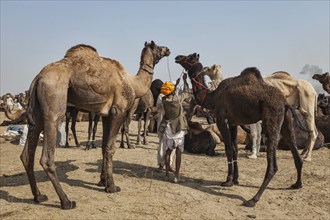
(89, 82)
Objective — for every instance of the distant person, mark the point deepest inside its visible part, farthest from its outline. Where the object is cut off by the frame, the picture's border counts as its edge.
(10, 103)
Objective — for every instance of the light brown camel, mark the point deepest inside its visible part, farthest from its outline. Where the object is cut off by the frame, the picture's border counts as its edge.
(15, 115)
(240, 100)
(299, 93)
(90, 82)
(324, 79)
(214, 73)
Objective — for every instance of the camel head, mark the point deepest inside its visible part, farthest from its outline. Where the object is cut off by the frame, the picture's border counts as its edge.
(187, 62)
(320, 76)
(156, 52)
(214, 70)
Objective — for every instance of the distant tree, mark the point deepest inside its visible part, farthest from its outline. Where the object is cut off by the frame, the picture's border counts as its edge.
(308, 71)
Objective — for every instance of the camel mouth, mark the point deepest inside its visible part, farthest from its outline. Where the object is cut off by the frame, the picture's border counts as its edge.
(179, 58)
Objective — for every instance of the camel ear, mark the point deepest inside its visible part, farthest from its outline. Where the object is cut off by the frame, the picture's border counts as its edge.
(197, 56)
(326, 74)
(153, 45)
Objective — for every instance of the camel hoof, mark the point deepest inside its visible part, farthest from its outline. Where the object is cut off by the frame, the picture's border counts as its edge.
(40, 198)
(250, 203)
(308, 159)
(69, 205)
(101, 183)
(131, 147)
(296, 186)
(109, 190)
(227, 184)
(236, 182)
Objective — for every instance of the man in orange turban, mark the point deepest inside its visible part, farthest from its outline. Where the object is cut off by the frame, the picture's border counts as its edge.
(167, 88)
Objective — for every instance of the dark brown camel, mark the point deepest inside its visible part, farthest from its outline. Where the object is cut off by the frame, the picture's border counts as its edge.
(240, 100)
(324, 79)
(89, 82)
(93, 119)
(142, 109)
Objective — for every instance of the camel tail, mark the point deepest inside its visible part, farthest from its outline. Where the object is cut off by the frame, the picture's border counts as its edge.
(299, 121)
(32, 102)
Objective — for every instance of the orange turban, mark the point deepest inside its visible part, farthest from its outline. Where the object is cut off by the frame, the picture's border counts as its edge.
(167, 88)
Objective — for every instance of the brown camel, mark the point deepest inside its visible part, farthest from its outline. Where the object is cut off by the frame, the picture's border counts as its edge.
(89, 82)
(142, 108)
(324, 79)
(240, 100)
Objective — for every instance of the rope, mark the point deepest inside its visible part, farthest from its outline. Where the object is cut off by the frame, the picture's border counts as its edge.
(168, 69)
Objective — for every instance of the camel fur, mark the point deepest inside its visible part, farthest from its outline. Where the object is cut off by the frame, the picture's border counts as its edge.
(90, 82)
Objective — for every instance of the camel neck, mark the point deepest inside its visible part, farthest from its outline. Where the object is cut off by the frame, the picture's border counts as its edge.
(200, 90)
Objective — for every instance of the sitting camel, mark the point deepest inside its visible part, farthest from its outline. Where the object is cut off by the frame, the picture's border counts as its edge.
(201, 140)
(323, 102)
(88, 81)
(214, 73)
(245, 99)
(324, 79)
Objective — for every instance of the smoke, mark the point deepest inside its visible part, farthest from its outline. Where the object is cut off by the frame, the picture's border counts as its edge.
(310, 70)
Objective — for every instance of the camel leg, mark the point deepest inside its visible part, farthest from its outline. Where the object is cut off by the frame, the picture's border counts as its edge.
(116, 120)
(233, 137)
(27, 158)
(223, 128)
(105, 137)
(47, 162)
(90, 124)
(272, 126)
(67, 120)
(312, 135)
(146, 121)
(289, 135)
(138, 140)
(122, 136)
(73, 127)
(96, 121)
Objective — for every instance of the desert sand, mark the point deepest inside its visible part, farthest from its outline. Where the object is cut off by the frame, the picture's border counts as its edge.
(145, 195)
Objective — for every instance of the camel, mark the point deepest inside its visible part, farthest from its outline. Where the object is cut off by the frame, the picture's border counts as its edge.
(324, 79)
(142, 108)
(323, 102)
(214, 73)
(245, 99)
(90, 82)
(299, 93)
(93, 119)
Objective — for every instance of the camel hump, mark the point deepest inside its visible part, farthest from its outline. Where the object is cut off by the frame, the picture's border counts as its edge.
(81, 50)
(281, 75)
(252, 71)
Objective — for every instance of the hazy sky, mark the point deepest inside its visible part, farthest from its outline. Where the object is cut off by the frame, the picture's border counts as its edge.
(271, 35)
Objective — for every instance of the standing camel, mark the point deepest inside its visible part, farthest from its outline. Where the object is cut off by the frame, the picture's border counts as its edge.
(142, 108)
(93, 120)
(89, 82)
(324, 79)
(301, 94)
(240, 100)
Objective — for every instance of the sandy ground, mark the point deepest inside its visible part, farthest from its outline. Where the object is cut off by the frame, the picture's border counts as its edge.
(145, 195)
